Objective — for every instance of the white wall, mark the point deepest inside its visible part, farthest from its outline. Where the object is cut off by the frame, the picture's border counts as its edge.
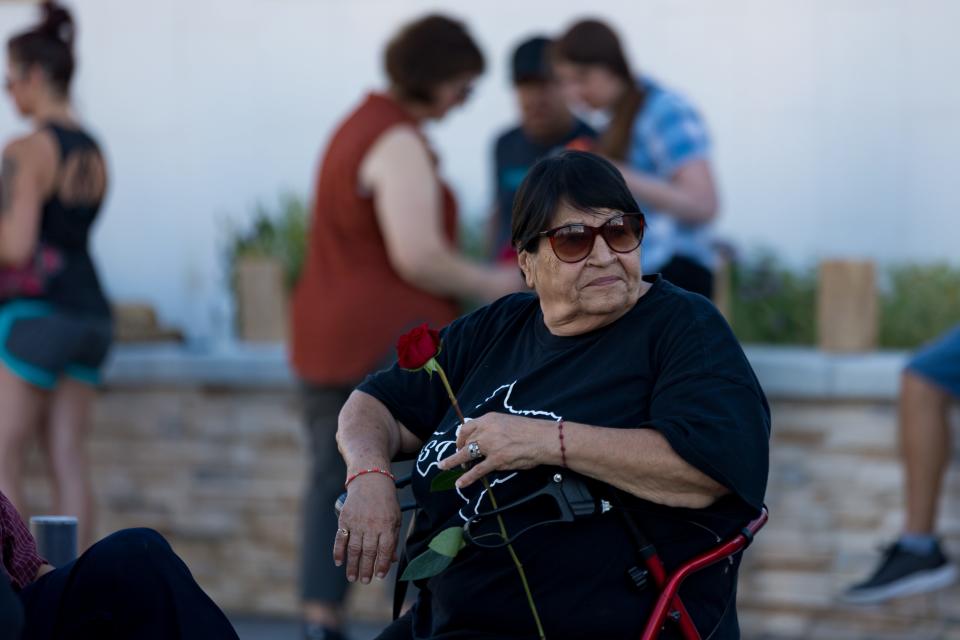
(836, 122)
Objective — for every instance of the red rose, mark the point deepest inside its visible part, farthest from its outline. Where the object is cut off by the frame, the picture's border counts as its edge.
(416, 347)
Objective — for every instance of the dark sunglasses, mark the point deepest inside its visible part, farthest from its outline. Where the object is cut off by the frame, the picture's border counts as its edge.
(574, 242)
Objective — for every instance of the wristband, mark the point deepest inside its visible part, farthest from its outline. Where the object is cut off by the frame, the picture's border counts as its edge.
(363, 472)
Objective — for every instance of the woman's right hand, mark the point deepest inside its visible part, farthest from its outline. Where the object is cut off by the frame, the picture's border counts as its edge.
(368, 528)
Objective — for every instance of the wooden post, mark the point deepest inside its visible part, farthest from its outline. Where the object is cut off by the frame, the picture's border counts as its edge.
(261, 299)
(847, 316)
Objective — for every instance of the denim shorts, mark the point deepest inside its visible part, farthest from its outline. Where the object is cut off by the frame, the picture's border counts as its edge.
(40, 343)
(939, 362)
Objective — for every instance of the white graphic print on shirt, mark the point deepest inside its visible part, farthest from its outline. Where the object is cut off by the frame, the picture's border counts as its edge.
(444, 444)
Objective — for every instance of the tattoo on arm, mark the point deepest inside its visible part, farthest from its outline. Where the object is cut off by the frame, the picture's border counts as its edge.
(7, 173)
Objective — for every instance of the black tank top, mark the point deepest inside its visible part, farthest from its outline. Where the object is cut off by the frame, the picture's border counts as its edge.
(65, 229)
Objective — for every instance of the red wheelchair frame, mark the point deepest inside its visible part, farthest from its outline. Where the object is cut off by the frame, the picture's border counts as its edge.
(668, 604)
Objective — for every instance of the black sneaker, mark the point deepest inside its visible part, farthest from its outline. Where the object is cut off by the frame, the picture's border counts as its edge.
(902, 573)
(320, 632)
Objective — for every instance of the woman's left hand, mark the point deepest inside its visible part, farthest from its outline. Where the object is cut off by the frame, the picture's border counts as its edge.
(506, 442)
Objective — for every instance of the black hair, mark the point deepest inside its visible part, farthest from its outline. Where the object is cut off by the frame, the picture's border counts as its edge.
(581, 180)
(530, 62)
(48, 45)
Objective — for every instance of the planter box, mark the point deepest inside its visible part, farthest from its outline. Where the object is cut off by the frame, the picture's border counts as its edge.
(261, 299)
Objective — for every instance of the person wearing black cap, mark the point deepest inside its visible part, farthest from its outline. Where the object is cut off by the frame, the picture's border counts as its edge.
(546, 124)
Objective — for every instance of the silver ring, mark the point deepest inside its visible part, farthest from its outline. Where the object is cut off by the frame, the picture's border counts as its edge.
(473, 448)
(343, 532)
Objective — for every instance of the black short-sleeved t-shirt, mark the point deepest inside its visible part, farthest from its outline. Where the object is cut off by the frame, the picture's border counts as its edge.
(670, 364)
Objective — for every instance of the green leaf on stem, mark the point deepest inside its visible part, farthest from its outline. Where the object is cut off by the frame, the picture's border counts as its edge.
(426, 565)
(443, 549)
(446, 480)
(448, 542)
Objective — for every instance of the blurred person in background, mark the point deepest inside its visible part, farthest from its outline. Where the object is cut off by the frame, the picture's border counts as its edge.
(546, 124)
(660, 144)
(55, 322)
(915, 562)
(382, 258)
(131, 584)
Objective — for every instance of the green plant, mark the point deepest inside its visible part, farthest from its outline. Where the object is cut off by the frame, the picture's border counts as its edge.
(918, 303)
(279, 233)
(771, 303)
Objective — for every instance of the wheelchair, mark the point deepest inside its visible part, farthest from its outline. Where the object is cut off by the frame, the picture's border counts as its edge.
(574, 499)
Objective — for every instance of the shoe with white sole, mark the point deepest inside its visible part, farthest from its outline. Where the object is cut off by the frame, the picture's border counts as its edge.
(904, 573)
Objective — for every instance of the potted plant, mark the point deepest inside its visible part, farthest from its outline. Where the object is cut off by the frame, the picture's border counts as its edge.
(265, 261)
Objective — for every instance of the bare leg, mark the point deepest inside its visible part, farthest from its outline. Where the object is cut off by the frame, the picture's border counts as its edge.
(21, 405)
(925, 449)
(66, 448)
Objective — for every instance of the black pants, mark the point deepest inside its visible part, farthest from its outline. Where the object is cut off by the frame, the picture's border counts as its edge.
(129, 585)
(690, 275)
(399, 629)
(11, 612)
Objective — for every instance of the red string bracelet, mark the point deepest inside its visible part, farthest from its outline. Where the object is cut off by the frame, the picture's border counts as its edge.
(363, 472)
(563, 449)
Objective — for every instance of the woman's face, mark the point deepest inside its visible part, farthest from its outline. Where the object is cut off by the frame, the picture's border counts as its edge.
(588, 84)
(18, 84)
(450, 94)
(591, 293)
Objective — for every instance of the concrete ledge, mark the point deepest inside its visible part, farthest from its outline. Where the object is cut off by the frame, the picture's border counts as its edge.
(240, 365)
(805, 373)
(784, 372)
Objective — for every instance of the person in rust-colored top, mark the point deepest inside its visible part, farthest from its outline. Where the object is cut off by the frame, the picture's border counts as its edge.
(381, 259)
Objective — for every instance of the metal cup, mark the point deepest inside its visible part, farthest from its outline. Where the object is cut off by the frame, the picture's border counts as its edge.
(56, 538)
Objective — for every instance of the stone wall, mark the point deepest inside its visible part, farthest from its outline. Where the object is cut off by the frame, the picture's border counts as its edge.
(835, 496)
(220, 471)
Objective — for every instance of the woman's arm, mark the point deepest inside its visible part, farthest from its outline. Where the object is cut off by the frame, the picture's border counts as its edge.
(369, 437)
(690, 195)
(400, 173)
(638, 461)
(26, 176)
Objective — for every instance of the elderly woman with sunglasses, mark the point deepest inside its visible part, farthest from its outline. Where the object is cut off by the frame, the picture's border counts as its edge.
(621, 381)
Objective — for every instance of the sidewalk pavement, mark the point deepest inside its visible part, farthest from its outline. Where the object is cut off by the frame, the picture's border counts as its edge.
(258, 628)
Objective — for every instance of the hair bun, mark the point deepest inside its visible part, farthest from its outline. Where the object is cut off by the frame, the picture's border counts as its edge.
(57, 22)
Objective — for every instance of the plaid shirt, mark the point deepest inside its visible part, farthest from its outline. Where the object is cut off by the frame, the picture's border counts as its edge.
(18, 550)
(668, 134)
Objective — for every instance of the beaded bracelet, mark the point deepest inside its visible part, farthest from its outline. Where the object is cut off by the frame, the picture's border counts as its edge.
(563, 449)
(362, 472)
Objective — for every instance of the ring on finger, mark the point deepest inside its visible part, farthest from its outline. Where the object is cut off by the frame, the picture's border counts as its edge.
(343, 532)
(473, 448)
